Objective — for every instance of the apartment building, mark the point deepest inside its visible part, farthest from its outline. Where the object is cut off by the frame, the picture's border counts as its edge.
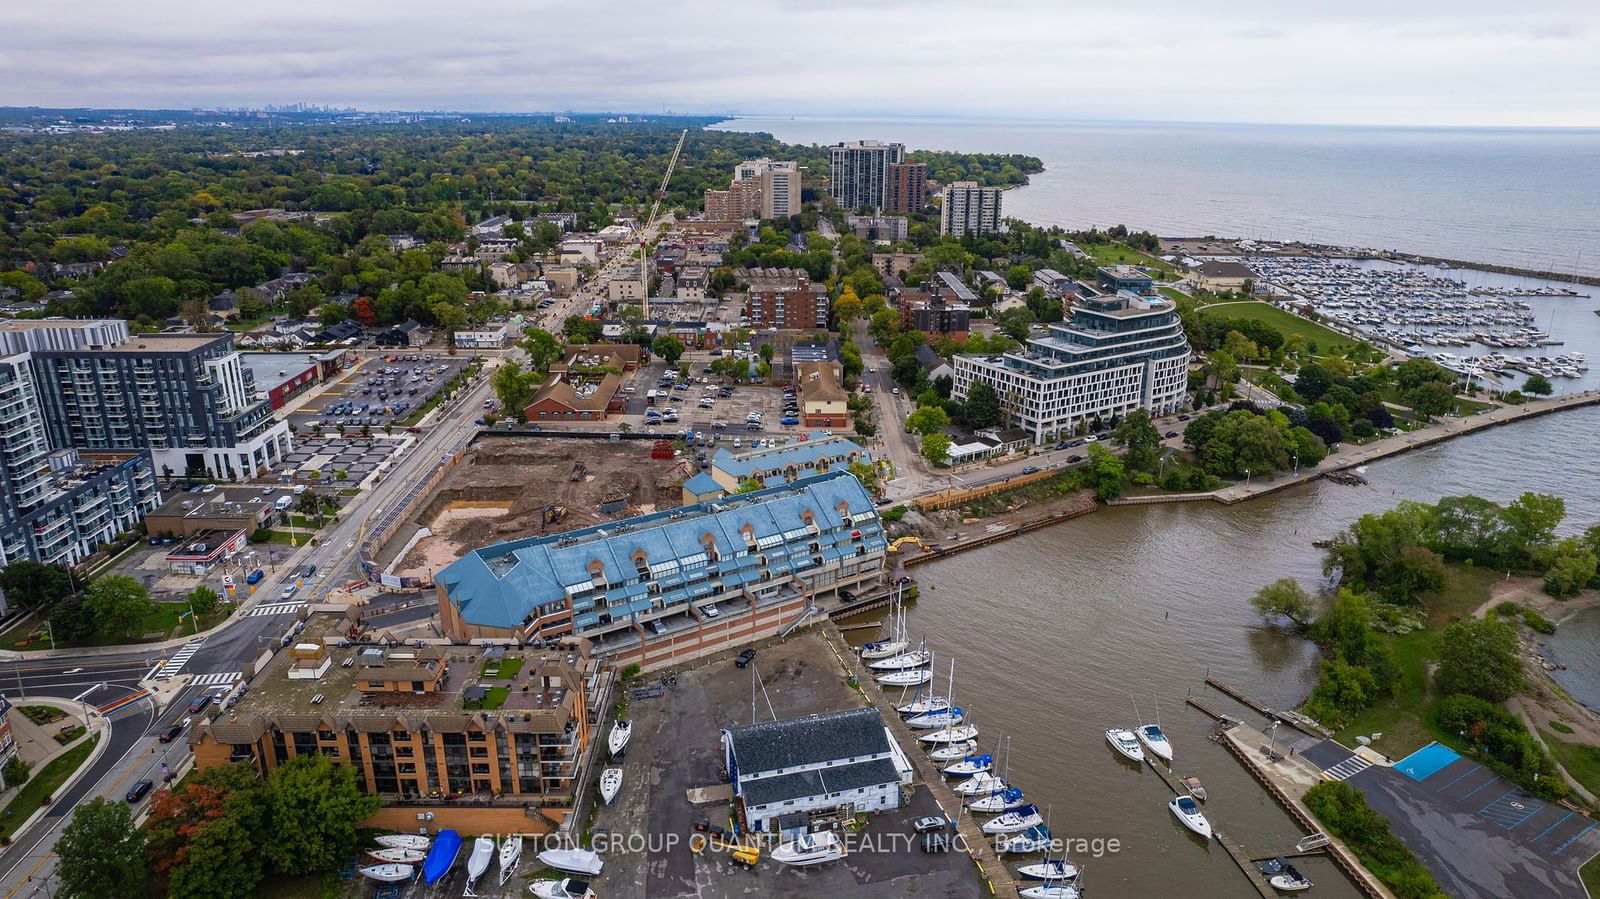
(777, 183)
(1125, 277)
(785, 298)
(858, 173)
(676, 583)
(420, 724)
(879, 227)
(1116, 353)
(908, 187)
(969, 209)
(774, 466)
(742, 200)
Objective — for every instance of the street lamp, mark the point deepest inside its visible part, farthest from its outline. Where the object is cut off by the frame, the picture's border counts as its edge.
(1247, 477)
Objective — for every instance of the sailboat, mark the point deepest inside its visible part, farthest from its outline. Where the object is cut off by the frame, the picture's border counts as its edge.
(510, 854)
(404, 841)
(574, 861)
(617, 742)
(390, 873)
(1014, 821)
(1034, 839)
(969, 766)
(1053, 890)
(916, 658)
(610, 784)
(911, 677)
(1188, 814)
(947, 716)
(896, 642)
(951, 752)
(810, 849)
(1050, 869)
(1124, 742)
(482, 854)
(1005, 800)
(950, 734)
(924, 704)
(398, 856)
(1152, 736)
(980, 785)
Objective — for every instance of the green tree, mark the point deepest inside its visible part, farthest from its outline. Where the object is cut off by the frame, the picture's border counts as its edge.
(542, 348)
(514, 388)
(667, 347)
(581, 329)
(34, 586)
(1531, 521)
(1312, 381)
(1478, 657)
(1140, 438)
(1224, 367)
(1538, 385)
(1413, 373)
(101, 853)
(118, 604)
(1431, 398)
(204, 600)
(1571, 566)
(332, 313)
(1015, 322)
(982, 407)
(1284, 598)
(313, 806)
(1107, 472)
(936, 448)
(221, 862)
(866, 474)
(927, 420)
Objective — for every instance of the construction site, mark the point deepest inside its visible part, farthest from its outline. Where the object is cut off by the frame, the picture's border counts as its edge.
(511, 487)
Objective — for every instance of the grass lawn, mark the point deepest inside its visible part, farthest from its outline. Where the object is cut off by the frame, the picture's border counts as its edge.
(1327, 340)
(42, 714)
(1122, 254)
(43, 783)
(159, 624)
(506, 667)
(1591, 876)
(1581, 760)
(496, 698)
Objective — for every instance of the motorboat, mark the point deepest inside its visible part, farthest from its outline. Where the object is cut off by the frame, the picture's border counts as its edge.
(951, 752)
(1049, 869)
(1290, 880)
(810, 849)
(1034, 839)
(1050, 891)
(610, 784)
(617, 741)
(1014, 821)
(565, 888)
(1192, 784)
(510, 854)
(924, 704)
(980, 785)
(1187, 811)
(917, 658)
(1124, 742)
(573, 861)
(482, 856)
(389, 873)
(1005, 800)
(398, 856)
(1154, 740)
(911, 677)
(956, 734)
(948, 716)
(972, 764)
(404, 841)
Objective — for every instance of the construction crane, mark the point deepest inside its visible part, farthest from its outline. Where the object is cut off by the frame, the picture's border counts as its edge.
(661, 194)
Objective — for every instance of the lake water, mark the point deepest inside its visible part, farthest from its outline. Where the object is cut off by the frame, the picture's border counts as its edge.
(1523, 197)
(1057, 635)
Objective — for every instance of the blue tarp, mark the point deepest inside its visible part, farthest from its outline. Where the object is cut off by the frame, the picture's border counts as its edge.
(442, 856)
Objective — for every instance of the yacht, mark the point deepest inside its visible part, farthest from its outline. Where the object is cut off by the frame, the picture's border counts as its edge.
(1050, 891)
(980, 785)
(1009, 799)
(1154, 740)
(810, 849)
(1014, 821)
(390, 873)
(565, 888)
(970, 766)
(610, 784)
(510, 854)
(483, 849)
(1188, 814)
(922, 705)
(1124, 742)
(404, 841)
(398, 856)
(956, 734)
(1049, 869)
(917, 658)
(911, 677)
(617, 742)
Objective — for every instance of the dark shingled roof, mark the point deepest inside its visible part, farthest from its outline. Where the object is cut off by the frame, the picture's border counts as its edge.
(811, 740)
(842, 779)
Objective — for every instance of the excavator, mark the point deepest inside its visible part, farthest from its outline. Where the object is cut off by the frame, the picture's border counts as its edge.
(915, 541)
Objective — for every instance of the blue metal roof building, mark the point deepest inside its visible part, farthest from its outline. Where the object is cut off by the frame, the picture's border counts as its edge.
(782, 464)
(808, 535)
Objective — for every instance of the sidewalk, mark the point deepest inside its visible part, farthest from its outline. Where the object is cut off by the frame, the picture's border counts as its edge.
(97, 726)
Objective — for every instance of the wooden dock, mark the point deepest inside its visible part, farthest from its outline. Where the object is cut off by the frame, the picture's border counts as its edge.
(1208, 710)
(1292, 718)
(1242, 858)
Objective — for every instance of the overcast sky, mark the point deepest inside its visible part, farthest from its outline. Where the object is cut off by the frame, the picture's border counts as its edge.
(1470, 62)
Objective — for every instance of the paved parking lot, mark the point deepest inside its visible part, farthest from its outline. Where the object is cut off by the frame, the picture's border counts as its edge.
(389, 391)
(675, 748)
(357, 457)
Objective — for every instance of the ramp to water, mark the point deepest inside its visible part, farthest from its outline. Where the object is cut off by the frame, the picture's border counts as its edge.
(1427, 761)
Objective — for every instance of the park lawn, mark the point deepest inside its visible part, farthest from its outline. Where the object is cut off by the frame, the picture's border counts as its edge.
(1590, 873)
(506, 667)
(158, 624)
(44, 782)
(1581, 760)
(1116, 253)
(1327, 340)
(495, 699)
(1463, 405)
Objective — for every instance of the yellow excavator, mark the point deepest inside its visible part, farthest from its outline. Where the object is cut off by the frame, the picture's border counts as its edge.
(916, 541)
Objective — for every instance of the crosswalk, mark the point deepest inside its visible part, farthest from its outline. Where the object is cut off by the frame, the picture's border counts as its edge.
(273, 608)
(219, 679)
(1348, 768)
(179, 659)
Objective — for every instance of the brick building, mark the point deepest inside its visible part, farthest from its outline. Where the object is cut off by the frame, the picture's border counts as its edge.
(785, 298)
(908, 187)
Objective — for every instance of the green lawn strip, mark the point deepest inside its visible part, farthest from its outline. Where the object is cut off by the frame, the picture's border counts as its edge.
(1122, 254)
(158, 625)
(503, 668)
(1327, 340)
(44, 782)
(1590, 873)
(1347, 816)
(1581, 760)
(494, 700)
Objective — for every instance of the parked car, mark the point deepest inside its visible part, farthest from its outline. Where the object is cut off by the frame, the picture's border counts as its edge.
(199, 703)
(1031, 469)
(657, 627)
(1074, 458)
(1172, 433)
(930, 824)
(139, 790)
(288, 592)
(847, 595)
(255, 576)
(710, 611)
(307, 570)
(788, 420)
(744, 658)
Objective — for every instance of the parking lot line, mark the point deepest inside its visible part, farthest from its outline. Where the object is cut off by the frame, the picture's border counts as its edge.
(1575, 837)
(1552, 827)
(1493, 801)
(1479, 787)
(1453, 782)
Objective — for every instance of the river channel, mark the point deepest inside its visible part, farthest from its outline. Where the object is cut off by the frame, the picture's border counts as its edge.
(1058, 634)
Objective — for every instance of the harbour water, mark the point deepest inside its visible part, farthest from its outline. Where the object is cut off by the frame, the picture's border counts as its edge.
(1057, 635)
(1522, 197)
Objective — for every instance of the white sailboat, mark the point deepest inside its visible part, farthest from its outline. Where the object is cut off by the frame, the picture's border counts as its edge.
(1050, 891)
(1188, 814)
(924, 704)
(510, 854)
(398, 856)
(404, 841)
(980, 785)
(1014, 821)
(947, 715)
(610, 784)
(566, 888)
(969, 766)
(911, 677)
(1050, 869)
(1009, 799)
(916, 658)
(390, 873)
(952, 752)
(617, 741)
(573, 861)
(1034, 839)
(482, 855)
(810, 849)
(895, 643)
(950, 734)
(1124, 742)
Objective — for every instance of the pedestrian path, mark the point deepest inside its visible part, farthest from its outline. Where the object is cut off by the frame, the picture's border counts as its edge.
(219, 679)
(273, 608)
(175, 664)
(1348, 768)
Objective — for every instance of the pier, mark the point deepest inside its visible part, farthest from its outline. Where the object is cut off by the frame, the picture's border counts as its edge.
(1294, 719)
(1242, 858)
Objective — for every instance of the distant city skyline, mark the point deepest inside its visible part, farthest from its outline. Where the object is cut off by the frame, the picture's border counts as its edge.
(1470, 63)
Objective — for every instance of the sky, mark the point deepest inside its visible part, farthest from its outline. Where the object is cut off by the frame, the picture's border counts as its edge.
(1394, 62)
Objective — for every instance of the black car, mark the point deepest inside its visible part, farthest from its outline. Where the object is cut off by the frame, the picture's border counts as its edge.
(170, 734)
(199, 703)
(307, 570)
(139, 790)
(1172, 433)
(1074, 458)
(847, 595)
(744, 658)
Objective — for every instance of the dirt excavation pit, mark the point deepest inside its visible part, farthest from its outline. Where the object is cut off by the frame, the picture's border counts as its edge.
(507, 488)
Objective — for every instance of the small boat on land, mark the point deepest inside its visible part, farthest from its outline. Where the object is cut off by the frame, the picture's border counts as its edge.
(404, 841)
(1034, 839)
(980, 785)
(911, 677)
(1188, 814)
(810, 849)
(574, 861)
(958, 734)
(1154, 740)
(510, 854)
(442, 857)
(972, 764)
(1049, 869)
(390, 873)
(617, 742)
(917, 658)
(398, 856)
(951, 752)
(1124, 742)
(566, 888)
(482, 855)
(1192, 784)
(1014, 822)
(610, 784)
(1005, 800)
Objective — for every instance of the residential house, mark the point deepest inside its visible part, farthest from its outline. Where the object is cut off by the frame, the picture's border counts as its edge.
(823, 399)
